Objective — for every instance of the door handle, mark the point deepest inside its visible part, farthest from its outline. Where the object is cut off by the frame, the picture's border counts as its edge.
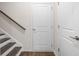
(76, 37)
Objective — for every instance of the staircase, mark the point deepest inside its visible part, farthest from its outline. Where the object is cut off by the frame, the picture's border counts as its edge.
(9, 46)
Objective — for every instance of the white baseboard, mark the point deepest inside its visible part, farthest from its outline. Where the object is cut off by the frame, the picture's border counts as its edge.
(55, 52)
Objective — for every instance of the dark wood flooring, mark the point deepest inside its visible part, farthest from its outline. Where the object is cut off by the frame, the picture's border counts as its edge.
(37, 54)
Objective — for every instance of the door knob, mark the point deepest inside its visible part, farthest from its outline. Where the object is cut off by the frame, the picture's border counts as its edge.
(76, 37)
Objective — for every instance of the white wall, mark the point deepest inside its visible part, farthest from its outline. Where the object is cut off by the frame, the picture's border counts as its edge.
(20, 12)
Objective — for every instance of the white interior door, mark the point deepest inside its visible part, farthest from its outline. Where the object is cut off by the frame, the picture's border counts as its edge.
(69, 21)
(42, 27)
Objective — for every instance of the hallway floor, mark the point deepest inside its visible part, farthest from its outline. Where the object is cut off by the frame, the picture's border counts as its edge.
(37, 54)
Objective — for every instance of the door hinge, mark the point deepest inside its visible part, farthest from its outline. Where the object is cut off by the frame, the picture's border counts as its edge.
(58, 3)
(58, 49)
(58, 26)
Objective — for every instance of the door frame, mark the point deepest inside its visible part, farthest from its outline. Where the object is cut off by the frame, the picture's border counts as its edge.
(56, 29)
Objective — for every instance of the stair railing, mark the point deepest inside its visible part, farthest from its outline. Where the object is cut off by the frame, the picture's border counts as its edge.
(12, 20)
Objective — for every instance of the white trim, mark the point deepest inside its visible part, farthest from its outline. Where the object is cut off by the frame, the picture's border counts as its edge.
(55, 52)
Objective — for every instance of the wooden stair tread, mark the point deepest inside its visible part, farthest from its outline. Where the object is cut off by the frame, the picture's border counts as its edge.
(14, 51)
(6, 47)
(4, 39)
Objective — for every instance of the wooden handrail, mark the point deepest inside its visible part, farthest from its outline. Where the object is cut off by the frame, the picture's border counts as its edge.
(12, 20)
